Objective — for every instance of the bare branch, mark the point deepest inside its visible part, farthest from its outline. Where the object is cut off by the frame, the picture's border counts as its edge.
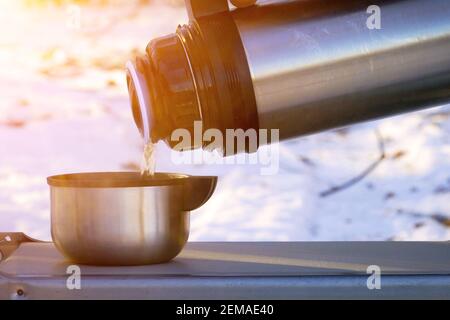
(363, 174)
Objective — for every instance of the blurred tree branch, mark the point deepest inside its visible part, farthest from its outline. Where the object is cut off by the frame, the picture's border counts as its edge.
(363, 174)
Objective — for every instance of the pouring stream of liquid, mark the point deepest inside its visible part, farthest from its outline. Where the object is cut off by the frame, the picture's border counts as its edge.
(148, 160)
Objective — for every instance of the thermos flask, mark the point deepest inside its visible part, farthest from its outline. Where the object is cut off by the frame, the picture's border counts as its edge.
(298, 66)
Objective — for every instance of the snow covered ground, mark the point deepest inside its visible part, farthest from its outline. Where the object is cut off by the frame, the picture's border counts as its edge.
(64, 108)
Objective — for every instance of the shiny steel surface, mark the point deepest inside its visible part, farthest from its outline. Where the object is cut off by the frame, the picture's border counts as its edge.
(316, 65)
(126, 225)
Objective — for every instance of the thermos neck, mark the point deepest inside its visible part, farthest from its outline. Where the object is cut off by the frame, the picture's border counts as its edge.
(162, 90)
(198, 74)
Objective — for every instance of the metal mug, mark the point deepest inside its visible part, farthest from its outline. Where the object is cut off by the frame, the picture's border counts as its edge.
(123, 218)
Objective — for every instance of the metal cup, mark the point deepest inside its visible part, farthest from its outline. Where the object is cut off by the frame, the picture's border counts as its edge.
(123, 218)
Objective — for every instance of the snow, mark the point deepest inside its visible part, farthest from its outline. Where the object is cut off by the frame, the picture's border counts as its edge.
(64, 108)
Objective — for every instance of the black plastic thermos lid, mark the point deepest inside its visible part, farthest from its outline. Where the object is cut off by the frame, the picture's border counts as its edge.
(199, 73)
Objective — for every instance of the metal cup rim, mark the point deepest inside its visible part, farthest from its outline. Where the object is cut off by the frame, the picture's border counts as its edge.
(115, 180)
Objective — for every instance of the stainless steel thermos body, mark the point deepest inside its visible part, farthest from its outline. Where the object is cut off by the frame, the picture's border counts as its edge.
(315, 68)
(297, 66)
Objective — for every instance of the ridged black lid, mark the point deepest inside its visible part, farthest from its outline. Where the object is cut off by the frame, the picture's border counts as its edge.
(164, 75)
(201, 73)
(176, 86)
